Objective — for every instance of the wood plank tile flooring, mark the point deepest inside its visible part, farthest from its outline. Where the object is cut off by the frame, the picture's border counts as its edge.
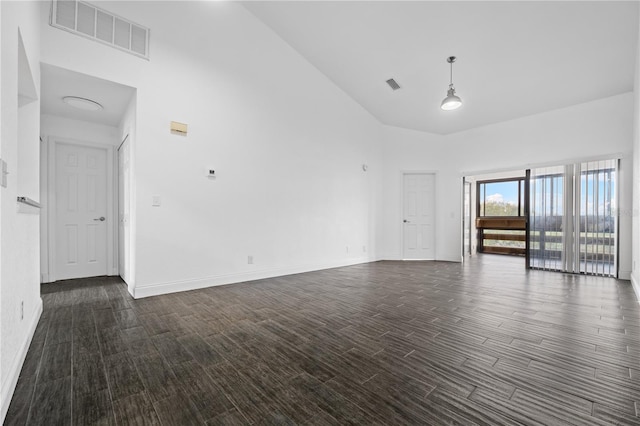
(396, 343)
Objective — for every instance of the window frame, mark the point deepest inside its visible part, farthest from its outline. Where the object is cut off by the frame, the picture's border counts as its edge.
(521, 184)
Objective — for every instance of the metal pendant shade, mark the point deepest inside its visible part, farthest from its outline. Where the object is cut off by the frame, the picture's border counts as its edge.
(452, 101)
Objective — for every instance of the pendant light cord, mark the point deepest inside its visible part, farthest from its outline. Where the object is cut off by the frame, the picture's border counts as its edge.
(451, 59)
(451, 74)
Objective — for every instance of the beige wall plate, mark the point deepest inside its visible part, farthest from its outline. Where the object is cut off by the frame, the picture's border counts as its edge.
(178, 128)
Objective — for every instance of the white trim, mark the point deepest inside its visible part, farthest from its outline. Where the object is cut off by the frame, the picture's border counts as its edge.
(435, 198)
(212, 281)
(612, 156)
(121, 241)
(464, 182)
(10, 382)
(112, 199)
(391, 256)
(111, 267)
(451, 257)
(636, 287)
(624, 275)
(49, 229)
(446, 258)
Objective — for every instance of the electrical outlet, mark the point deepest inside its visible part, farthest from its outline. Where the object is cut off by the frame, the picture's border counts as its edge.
(347, 249)
(364, 249)
(250, 260)
(22, 310)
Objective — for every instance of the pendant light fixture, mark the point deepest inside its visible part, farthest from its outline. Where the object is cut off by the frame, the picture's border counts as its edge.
(451, 101)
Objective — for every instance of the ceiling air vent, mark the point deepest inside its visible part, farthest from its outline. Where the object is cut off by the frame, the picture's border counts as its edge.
(392, 83)
(89, 21)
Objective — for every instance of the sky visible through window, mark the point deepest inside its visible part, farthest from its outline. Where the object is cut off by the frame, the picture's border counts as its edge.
(500, 192)
(507, 192)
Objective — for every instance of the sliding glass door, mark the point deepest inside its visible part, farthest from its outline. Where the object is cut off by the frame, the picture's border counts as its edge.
(597, 242)
(546, 215)
(572, 222)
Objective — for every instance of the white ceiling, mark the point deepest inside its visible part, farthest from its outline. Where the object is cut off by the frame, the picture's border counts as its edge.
(57, 83)
(514, 58)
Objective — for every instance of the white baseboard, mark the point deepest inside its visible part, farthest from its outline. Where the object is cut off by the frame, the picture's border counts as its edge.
(636, 287)
(176, 286)
(394, 256)
(624, 275)
(9, 383)
(450, 258)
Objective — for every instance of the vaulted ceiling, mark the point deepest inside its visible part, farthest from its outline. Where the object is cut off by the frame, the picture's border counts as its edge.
(514, 58)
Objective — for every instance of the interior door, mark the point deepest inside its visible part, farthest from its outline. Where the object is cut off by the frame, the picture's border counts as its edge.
(419, 216)
(81, 212)
(123, 210)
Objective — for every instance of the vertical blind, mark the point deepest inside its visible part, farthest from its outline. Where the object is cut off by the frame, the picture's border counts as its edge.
(572, 218)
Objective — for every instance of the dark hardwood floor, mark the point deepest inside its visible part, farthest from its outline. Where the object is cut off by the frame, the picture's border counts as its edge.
(393, 343)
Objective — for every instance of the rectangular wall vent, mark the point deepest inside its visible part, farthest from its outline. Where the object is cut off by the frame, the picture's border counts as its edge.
(392, 83)
(89, 21)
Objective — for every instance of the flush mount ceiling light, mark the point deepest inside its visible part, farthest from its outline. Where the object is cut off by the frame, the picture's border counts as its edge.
(82, 103)
(451, 101)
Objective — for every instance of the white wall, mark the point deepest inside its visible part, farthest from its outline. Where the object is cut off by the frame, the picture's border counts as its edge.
(595, 129)
(287, 146)
(408, 151)
(634, 212)
(78, 130)
(19, 242)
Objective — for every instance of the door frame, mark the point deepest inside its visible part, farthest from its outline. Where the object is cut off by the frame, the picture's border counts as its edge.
(466, 182)
(120, 240)
(49, 225)
(403, 173)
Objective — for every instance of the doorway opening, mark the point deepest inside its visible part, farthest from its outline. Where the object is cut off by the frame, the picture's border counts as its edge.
(80, 223)
(500, 216)
(494, 216)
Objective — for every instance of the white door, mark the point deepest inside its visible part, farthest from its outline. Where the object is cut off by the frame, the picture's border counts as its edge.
(123, 209)
(81, 211)
(419, 221)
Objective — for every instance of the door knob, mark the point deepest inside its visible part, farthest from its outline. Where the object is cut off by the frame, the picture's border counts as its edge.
(101, 219)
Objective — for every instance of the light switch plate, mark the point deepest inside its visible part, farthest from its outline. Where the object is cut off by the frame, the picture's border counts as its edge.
(156, 201)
